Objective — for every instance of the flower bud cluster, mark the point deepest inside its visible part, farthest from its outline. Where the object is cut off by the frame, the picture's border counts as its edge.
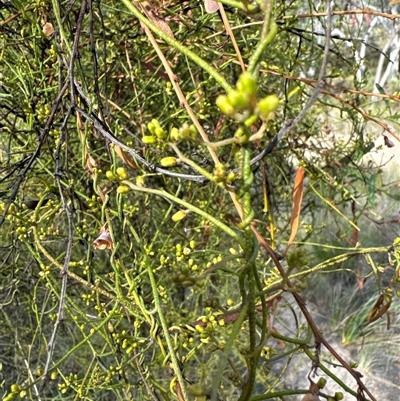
(242, 105)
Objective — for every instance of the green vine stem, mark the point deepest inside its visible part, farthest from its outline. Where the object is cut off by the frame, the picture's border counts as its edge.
(188, 206)
(178, 46)
(174, 359)
(255, 58)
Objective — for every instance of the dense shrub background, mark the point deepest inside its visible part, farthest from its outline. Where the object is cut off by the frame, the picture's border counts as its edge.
(123, 280)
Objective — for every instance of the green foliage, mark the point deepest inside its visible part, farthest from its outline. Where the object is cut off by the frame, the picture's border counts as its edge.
(146, 184)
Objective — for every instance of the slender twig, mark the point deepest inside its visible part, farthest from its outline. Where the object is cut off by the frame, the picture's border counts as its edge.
(99, 125)
(365, 11)
(232, 233)
(229, 31)
(64, 271)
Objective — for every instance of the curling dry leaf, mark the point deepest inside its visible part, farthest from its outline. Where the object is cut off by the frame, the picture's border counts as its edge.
(103, 241)
(379, 309)
(298, 192)
(125, 157)
(153, 15)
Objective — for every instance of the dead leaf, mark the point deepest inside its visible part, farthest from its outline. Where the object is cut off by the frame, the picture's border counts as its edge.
(103, 241)
(379, 309)
(125, 157)
(298, 192)
(154, 16)
(48, 29)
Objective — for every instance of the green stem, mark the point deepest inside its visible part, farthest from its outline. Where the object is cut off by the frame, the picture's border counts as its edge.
(255, 58)
(178, 46)
(298, 341)
(190, 207)
(278, 394)
(56, 10)
(174, 359)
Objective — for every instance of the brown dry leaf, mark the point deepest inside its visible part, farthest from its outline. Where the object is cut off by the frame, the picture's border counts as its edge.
(125, 157)
(153, 15)
(298, 192)
(103, 241)
(379, 309)
(394, 2)
(211, 6)
(48, 29)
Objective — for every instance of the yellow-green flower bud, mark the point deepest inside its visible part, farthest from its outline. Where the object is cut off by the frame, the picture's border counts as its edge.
(15, 388)
(193, 132)
(338, 396)
(169, 161)
(247, 85)
(122, 173)
(237, 100)
(140, 180)
(123, 189)
(155, 122)
(160, 133)
(54, 375)
(111, 176)
(149, 139)
(224, 105)
(151, 127)
(174, 134)
(267, 105)
(219, 172)
(179, 215)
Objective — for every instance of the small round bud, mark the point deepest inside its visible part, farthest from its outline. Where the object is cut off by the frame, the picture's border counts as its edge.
(219, 172)
(122, 173)
(321, 382)
(224, 105)
(174, 134)
(251, 120)
(123, 189)
(111, 176)
(160, 133)
(149, 139)
(237, 100)
(169, 161)
(339, 396)
(180, 215)
(247, 85)
(268, 104)
(151, 127)
(15, 388)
